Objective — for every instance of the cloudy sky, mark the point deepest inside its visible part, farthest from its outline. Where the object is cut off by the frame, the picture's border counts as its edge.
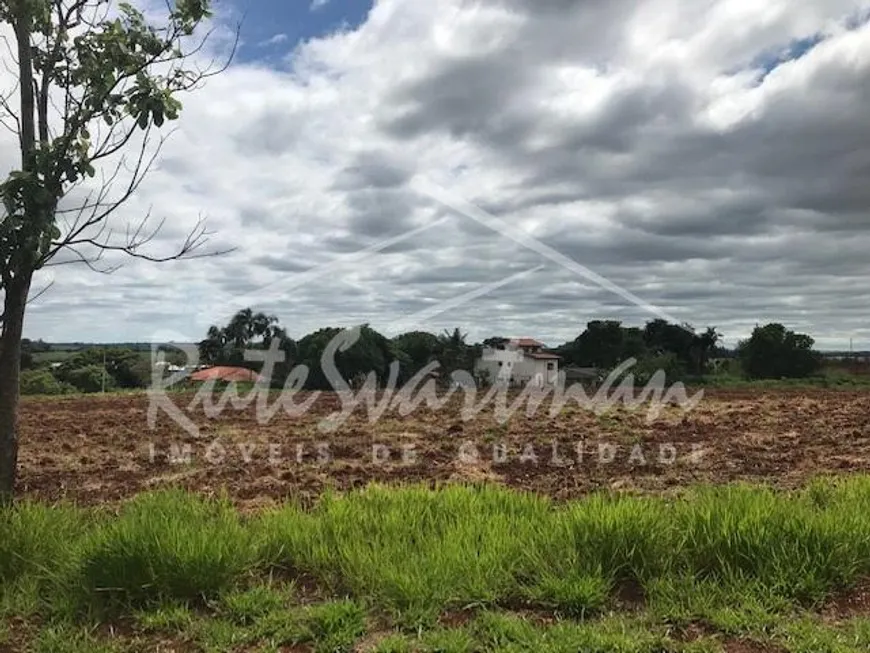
(481, 162)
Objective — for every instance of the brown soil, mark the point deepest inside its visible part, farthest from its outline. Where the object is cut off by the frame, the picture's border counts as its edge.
(97, 449)
(850, 603)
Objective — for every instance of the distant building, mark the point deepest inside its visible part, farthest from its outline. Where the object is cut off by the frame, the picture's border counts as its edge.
(520, 361)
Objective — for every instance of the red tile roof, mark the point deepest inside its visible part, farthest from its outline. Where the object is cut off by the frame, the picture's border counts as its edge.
(222, 373)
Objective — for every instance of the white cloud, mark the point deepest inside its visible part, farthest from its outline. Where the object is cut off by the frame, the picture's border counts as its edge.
(633, 137)
(274, 40)
(318, 4)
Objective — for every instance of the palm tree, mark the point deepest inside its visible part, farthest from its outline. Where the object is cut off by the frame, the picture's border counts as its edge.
(455, 352)
(211, 349)
(238, 331)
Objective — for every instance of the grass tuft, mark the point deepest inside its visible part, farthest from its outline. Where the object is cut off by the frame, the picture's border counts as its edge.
(164, 546)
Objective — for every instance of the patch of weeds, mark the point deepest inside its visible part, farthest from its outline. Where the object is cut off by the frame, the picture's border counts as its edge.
(394, 644)
(809, 635)
(258, 615)
(615, 634)
(216, 635)
(20, 598)
(169, 617)
(702, 645)
(447, 640)
(498, 630)
(501, 632)
(859, 630)
(64, 638)
(737, 607)
(245, 607)
(40, 548)
(415, 617)
(573, 595)
(423, 552)
(281, 628)
(334, 626)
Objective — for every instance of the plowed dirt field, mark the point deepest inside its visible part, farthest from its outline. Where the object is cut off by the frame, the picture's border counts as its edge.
(100, 448)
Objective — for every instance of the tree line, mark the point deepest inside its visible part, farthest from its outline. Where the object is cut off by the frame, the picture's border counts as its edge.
(93, 369)
(771, 352)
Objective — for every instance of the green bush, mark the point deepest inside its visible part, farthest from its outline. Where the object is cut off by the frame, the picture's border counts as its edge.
(90, 378)
(43, 382)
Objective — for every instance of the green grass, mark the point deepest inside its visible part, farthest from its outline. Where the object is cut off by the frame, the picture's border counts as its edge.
(163, 546)
(826, 378)
(745, 560)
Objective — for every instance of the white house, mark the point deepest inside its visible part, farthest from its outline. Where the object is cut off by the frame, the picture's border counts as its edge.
(520, 361)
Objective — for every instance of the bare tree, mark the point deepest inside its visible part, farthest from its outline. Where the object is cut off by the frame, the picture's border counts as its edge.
(96, 81)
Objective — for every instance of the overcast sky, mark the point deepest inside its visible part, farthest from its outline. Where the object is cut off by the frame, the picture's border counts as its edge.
(710, 157)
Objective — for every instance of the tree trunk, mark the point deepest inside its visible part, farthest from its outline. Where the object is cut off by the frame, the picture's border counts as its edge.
(10, 371)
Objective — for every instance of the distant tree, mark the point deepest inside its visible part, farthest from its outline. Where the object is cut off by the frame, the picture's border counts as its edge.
(247, 330)
(91, 378)
(38, 346)
(27, 359)
(662, 336)
(43, 382)
(633, 344)
(415, 350)
(604, 344)
(172, 354)
(455, 353)
(127, 368)
(702, 349)
(668, 362)
(372, 353)
(692, 349)
(601, 344)
(214, 348)
(774, 352)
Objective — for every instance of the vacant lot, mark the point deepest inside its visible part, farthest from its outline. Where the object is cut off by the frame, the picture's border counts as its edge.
(97, 449)
(461, 569)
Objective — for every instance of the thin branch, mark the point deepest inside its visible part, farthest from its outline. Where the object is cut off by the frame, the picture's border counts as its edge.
(196, 238)
(89, 261)
(30, 300)
(8, 110)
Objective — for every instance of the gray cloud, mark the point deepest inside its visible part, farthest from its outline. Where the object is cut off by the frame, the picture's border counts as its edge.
(638, 138)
